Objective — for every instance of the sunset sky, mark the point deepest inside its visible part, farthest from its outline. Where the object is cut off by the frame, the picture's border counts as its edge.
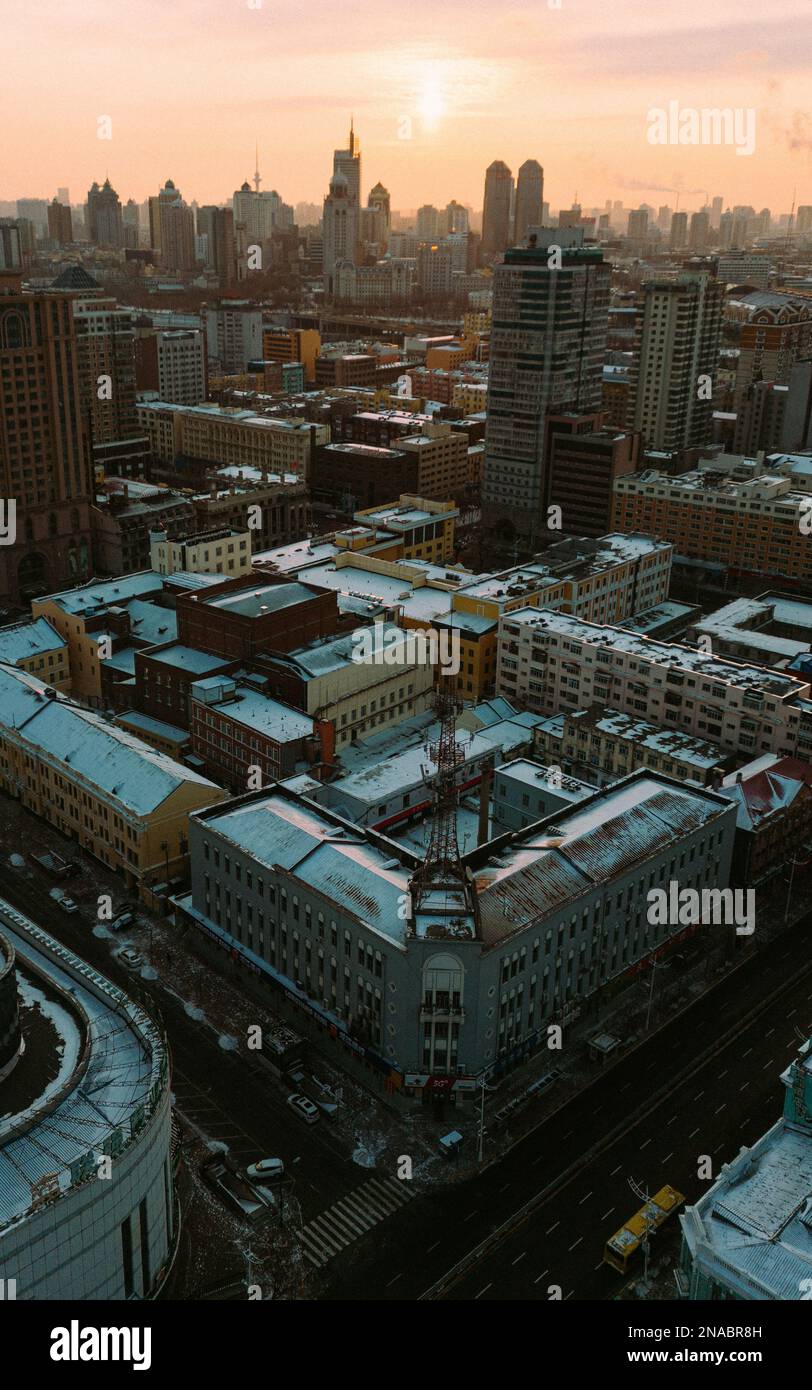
(190, 84)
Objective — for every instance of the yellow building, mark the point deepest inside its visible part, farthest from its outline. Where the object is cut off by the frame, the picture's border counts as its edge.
(79, 616)
(227, 435)
(424, 528)
(38, 648)
(225, 552)
(470, 396)
(292, 345)
(121, 800)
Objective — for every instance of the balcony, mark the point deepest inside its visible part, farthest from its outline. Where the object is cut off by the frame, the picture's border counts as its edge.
(441, 1013)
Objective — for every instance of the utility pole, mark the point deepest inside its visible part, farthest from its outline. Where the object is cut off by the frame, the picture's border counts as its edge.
(651, 992)
(642, 1193)
(793, 865)
(481, 1140)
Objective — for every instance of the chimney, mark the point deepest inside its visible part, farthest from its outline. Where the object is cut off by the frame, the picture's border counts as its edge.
(484, 805)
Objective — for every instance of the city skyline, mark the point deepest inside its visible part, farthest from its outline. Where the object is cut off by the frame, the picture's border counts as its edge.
(564, 85)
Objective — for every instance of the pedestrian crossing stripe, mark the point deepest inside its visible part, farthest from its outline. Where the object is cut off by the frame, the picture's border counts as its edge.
(350, 1218)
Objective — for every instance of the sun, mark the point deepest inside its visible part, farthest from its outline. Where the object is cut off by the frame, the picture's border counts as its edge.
(431, 106)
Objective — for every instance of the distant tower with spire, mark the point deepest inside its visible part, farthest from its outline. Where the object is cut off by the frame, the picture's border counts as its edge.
(257, 179)
(348, 163)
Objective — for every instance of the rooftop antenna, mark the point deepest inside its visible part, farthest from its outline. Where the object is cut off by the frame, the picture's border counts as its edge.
(442, 872)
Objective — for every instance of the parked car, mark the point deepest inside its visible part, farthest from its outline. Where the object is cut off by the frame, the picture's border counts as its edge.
(304, 1108)
(122, 921)
(248, 1201)
(266, 1170)
(65, 902)
(132, 959)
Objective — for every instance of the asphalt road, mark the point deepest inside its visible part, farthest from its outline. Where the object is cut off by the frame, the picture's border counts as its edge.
(642, 1118)
(215, 1089)
(734, 1041)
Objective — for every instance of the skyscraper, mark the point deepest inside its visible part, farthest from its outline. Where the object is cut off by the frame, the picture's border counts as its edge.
(700, 230)
(379, 216)
(546, 356)
(104, 220)
(217, 226)
(675, 360)
(637, 229)
(44, 464)
(428, 223)
(60, 223)
(105, 340)
(348, 163)
(529, 195)
(260, 213)
(340, 233)
(496, 209)
(679, 231)
(167, 196)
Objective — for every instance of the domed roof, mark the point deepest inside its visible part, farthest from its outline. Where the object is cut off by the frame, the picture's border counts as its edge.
(339, 183)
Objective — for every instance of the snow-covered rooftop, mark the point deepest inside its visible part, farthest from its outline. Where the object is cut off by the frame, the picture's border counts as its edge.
(667, 654)
(24, 640)
(111, 760)
(126, 1058)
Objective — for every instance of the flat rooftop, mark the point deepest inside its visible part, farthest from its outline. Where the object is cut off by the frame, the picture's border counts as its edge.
(269, 598)
(672, 655)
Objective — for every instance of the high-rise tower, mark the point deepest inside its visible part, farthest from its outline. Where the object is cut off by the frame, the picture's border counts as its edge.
(496, 209)
(548, 340)
(529, 197)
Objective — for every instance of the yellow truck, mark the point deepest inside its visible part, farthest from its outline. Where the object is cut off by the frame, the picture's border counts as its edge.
(625, 1243)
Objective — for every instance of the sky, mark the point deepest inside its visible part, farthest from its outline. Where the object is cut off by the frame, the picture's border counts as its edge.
(437, 91)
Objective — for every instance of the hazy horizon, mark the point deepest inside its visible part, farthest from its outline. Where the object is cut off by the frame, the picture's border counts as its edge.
(190, 89)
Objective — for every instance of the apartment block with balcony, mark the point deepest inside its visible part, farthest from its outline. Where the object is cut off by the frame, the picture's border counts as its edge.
(757, 525)
(552, 662)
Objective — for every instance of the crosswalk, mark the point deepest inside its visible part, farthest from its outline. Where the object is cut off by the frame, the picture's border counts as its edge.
(346, 1221)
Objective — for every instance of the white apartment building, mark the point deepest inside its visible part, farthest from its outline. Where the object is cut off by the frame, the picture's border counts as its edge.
(233, 335)
(180, 366)
(224, 552)
(552, 662)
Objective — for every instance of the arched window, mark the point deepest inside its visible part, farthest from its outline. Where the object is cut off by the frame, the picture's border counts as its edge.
(13, 333)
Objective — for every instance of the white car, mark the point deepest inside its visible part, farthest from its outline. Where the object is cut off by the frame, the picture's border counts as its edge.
(266, 1170)
(132, 959)
(65, 902)
(304, 1108)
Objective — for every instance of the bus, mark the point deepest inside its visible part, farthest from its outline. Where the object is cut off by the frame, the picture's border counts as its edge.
(625, 1243)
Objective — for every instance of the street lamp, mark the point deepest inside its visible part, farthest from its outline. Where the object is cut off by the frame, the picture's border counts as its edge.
(483, 1087)
(793, 864)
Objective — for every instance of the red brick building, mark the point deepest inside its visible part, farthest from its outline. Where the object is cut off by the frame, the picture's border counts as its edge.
(255, 613)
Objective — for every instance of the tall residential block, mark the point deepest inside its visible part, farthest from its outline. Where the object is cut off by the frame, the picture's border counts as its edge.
(44, 464)
(675, 361)
(548, 342)
(496, 210)
(529, 195)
